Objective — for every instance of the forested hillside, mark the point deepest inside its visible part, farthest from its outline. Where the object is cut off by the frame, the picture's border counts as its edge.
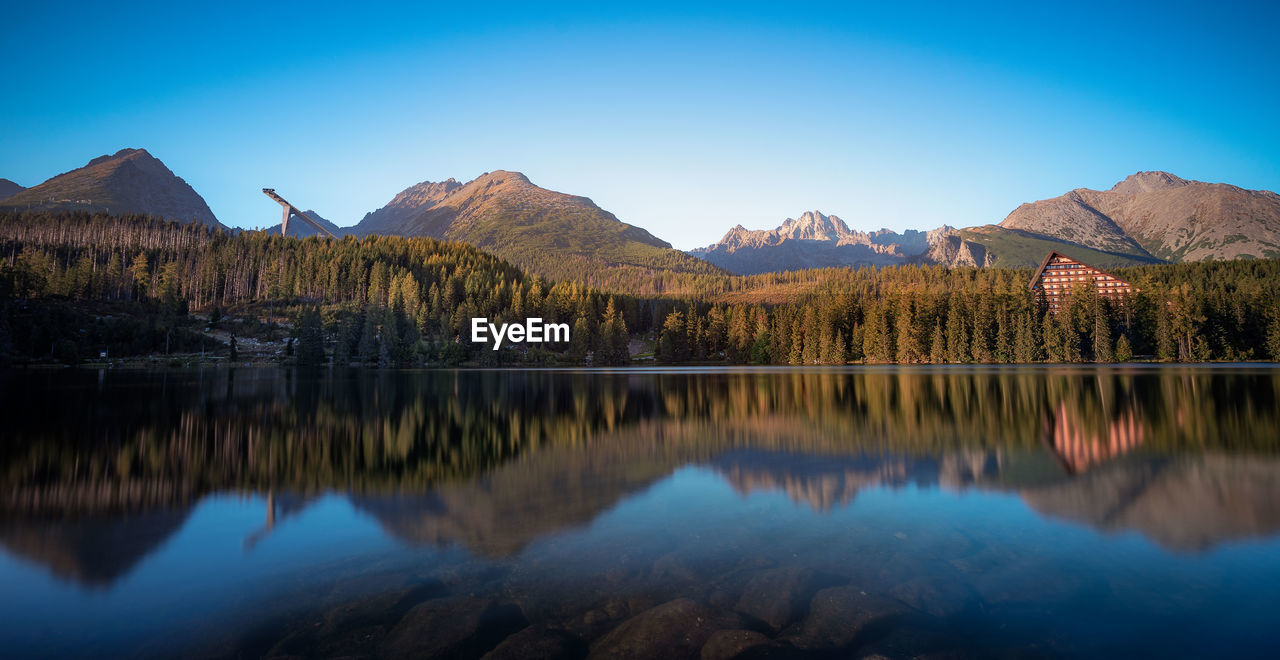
(74, 284)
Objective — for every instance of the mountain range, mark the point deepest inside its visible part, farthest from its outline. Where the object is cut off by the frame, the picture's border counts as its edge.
(1149, 217)
(128, 181)
(813, 240)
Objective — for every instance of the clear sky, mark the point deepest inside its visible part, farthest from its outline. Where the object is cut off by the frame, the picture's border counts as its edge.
(685, 120)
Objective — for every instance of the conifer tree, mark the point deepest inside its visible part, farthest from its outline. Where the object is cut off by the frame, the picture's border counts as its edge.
(310, 348)
(981, 345)
(140, 271)
(342, 345)
(957, 334)
(1004, 337)
(1053, 338)
(795, 352)
(1165, 346)
(1124, 352)
(905, 323)
(811, 352)
(580, 341)
(368, 349)
(717, 330)
(1025, 348)
(838, 354)
(1273, 334)
(1103, 348)
(673, 345)
(937, 347)
(760, 344)
(877, 337)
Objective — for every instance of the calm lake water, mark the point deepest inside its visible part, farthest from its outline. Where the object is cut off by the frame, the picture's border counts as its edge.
(1013, 512)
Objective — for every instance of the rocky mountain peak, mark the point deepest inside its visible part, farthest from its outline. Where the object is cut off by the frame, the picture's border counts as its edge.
(123, 154)
(814, 226)
(425, 192)
(128, 181)
(1141, 182)
(501, 176)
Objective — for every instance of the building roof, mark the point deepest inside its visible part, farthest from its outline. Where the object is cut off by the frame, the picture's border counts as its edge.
(1048, 257)
(1054, 253)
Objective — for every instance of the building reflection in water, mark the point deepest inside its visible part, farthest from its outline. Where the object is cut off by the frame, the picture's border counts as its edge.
(1079, 447)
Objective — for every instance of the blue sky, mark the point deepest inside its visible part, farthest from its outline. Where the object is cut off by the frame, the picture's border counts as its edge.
(684, 120)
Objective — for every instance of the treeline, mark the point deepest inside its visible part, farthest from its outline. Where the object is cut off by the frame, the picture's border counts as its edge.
(1238, 320)
(384, 300)
(403, 301)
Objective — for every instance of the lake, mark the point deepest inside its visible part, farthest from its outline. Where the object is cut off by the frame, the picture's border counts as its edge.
(713, 513)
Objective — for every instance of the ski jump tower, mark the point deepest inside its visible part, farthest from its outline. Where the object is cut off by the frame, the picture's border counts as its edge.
(290, 209)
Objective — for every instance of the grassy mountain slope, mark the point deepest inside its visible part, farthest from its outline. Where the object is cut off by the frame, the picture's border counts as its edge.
(1016, 248)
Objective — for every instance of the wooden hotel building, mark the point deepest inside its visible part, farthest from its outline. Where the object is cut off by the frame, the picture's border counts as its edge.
(1058, 273)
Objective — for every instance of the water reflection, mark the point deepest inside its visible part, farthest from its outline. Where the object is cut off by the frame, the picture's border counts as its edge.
(1078, 449)
(510, 466)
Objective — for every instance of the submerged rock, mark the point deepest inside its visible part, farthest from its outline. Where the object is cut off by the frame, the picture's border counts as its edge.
(452, 628)
(726, 644)
(839, 615)
(677, 629)
(539, 643)
(355, 627)
(779, 596)
(385, 608)
(909, 641)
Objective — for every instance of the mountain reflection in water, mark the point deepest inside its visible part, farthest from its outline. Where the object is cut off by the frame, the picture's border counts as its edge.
(532, 470)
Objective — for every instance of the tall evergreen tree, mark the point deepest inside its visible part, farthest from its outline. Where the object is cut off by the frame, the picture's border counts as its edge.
(957, 333)
(1166, 348)
(909, 350)
(310, 349)
(1103, 349)
(1124, 351)
(673, 345)
(368, 349)
(938, 347)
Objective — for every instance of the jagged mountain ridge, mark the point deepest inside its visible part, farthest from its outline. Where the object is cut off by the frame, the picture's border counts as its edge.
(816, 240)
(813, 240)
(407, 203)
(129, 181)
